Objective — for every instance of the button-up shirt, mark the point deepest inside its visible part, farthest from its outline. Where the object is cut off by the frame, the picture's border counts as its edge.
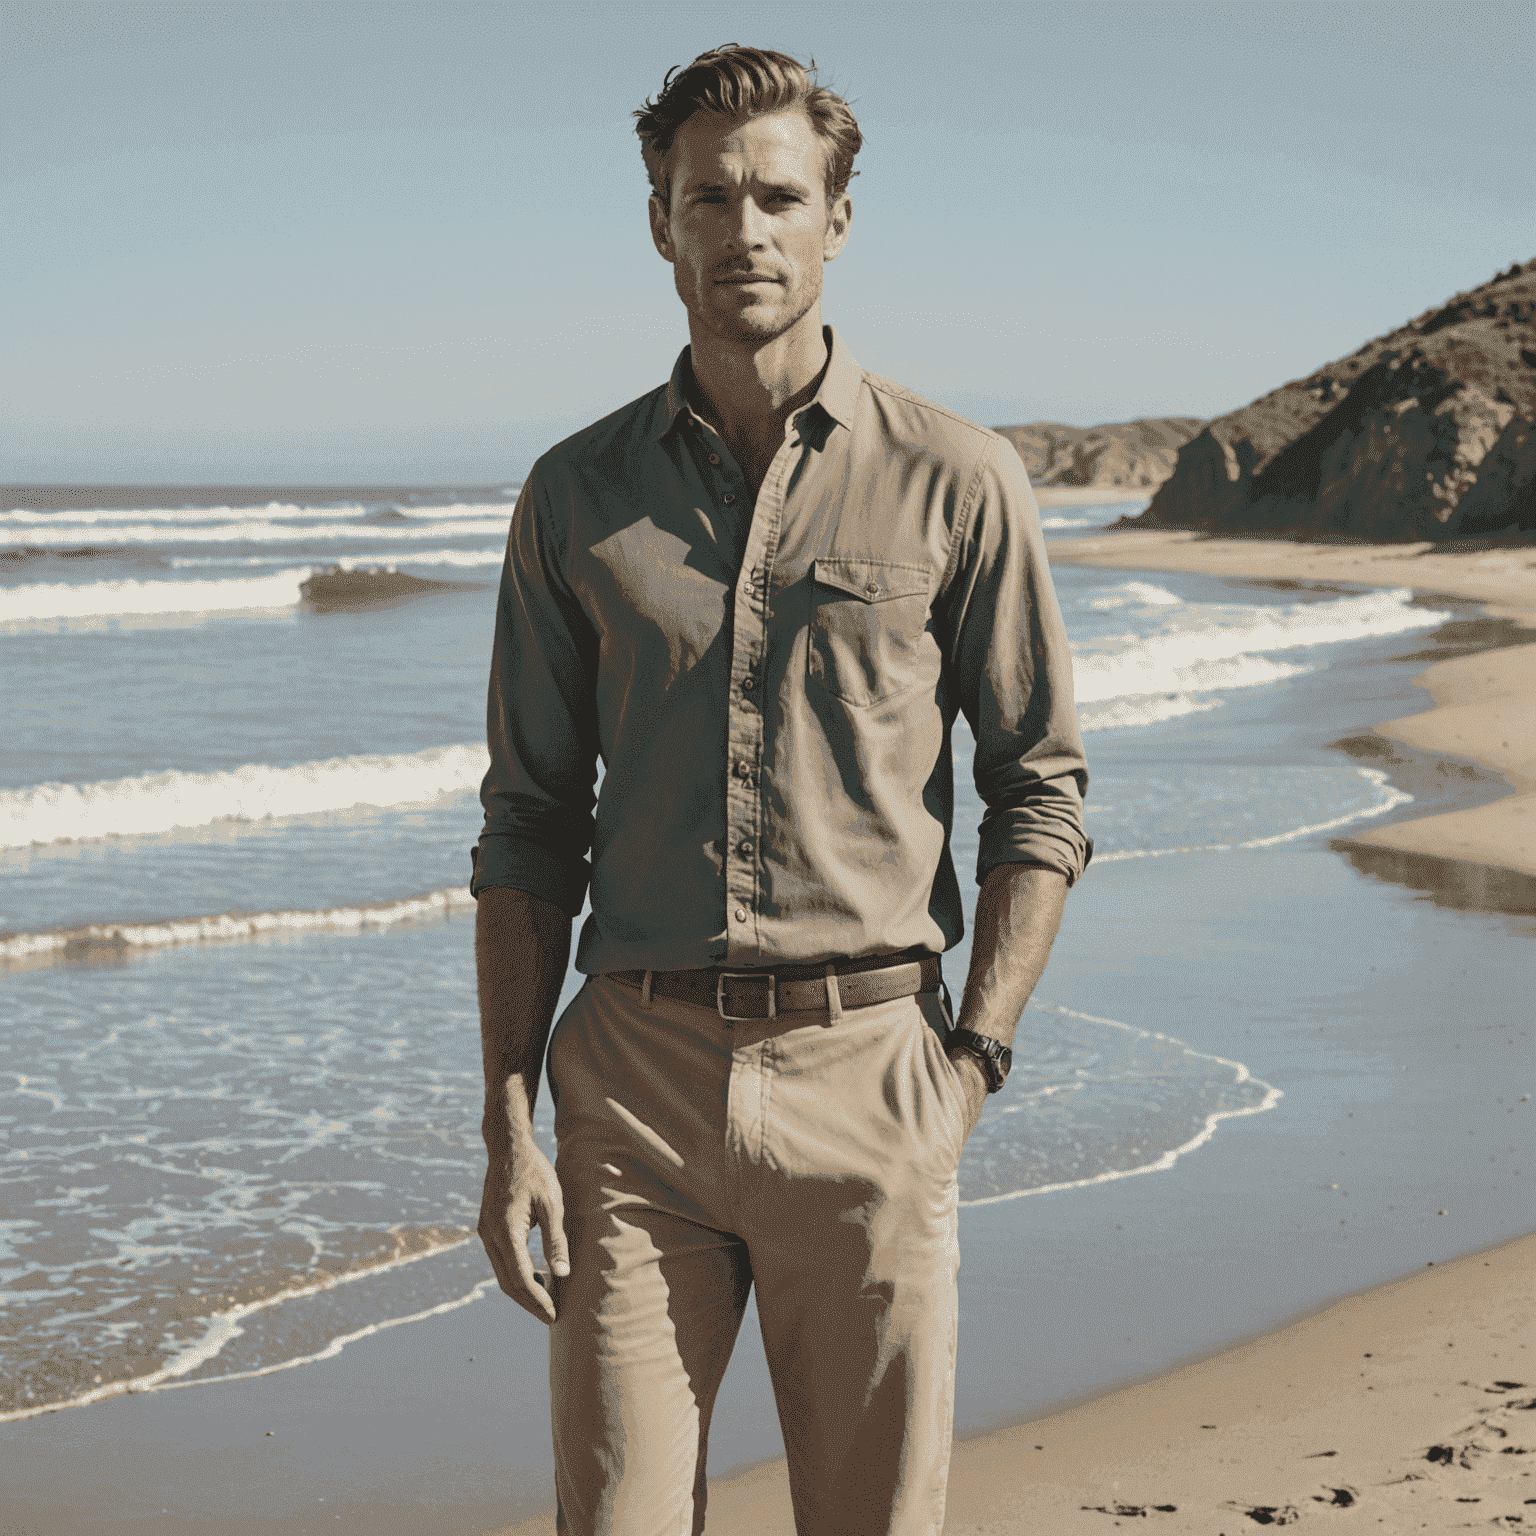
(770, 682)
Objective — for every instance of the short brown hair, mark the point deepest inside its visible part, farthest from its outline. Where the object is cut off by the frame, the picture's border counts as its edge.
(741, 83)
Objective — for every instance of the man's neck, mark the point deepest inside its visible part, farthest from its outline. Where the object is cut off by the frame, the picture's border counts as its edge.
(747, 394)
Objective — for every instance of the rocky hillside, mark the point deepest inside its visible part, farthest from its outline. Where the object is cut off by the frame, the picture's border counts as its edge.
(1425, 433)
(1128, 454)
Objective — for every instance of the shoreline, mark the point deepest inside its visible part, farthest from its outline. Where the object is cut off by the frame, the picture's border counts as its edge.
(1484, 704)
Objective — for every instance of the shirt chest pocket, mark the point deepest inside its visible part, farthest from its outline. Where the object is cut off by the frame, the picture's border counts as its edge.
(868, 629)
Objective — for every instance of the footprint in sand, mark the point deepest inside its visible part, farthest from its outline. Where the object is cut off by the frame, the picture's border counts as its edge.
(1337, 1498)
(1267, 1514)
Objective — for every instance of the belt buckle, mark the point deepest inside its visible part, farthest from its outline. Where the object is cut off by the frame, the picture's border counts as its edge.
(745, 1018)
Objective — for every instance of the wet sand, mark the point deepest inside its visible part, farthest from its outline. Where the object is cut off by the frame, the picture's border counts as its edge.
(1485, 704)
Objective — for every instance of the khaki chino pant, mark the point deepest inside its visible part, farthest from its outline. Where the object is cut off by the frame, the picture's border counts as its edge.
(812, 1156)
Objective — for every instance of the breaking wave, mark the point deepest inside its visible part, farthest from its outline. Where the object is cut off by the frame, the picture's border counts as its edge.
(264, 532)
(23, 517)
(63, 600)
(159, 802)
(98, 938)
(1202, 648)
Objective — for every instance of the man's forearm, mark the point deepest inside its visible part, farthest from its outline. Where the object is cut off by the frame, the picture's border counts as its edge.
(1018, 913)
(522, 944)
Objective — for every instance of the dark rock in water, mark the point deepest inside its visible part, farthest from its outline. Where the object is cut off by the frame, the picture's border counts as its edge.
(85, 552)
(1424, 433)
(336, 588)
(387, 515)
(88, 944)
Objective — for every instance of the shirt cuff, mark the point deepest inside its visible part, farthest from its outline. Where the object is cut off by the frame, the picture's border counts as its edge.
(525, 866)
(1018, 839)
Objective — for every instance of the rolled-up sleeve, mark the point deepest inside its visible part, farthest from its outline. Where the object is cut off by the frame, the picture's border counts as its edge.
(540, 721)
(1011, 670)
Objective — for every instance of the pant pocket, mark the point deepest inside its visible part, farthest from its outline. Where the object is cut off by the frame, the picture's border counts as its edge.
(556, 1036)
(947, 1086)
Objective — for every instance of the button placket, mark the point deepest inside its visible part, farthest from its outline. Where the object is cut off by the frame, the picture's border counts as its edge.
(746, 724)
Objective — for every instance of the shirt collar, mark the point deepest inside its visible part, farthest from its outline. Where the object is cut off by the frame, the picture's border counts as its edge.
(840, 384)
(838, 395)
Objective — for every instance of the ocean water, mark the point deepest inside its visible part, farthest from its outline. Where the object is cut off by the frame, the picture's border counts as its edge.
(239, 1065)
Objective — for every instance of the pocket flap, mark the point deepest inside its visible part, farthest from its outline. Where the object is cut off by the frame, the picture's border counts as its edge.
(874, 581)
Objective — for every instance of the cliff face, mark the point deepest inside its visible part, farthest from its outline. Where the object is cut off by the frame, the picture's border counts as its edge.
(1128, 454)
(1425, 433)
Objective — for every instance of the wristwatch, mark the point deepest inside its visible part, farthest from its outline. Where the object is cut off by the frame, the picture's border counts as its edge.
(995, 1057)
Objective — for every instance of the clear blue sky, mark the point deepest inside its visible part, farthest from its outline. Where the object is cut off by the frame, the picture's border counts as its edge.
(319, 241)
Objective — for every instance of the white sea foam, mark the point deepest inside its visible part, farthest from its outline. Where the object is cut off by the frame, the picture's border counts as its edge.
(1202, 648)
(26, 518)
(29, 948)
(61, 600)
(1167, 1159)
(259, 532)
(1388, 798)
(1140, 593)
(157, 802)
(391, 561)
(1142, 710)
(1068, 522)
(1174, 667)
(224, 1327)
(462, 557)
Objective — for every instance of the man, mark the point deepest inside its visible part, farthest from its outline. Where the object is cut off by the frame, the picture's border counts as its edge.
(760, 594)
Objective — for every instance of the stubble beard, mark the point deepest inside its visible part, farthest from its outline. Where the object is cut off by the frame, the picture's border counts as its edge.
(757, 325)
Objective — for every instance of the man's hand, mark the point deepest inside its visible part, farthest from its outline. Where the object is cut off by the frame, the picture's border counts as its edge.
(973, 1083)
(521, 945)
(521, 1191)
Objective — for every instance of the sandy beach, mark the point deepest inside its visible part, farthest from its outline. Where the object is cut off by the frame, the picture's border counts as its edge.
(1485, 704)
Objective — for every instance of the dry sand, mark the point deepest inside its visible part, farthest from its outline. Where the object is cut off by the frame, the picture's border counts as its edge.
(1485, 704)
(1410, 1407)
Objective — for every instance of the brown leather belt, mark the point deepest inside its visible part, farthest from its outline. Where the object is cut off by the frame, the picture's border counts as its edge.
(765, 994)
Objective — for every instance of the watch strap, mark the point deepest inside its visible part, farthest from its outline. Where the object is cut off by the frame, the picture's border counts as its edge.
(995, 1057)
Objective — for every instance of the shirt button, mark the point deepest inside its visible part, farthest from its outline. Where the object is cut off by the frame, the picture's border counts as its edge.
(746, 685)
(873, 589)
(714, 458)
(729, 497)
(744, 847)
(741, 914)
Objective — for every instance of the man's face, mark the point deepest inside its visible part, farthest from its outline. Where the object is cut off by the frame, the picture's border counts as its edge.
(749, 227)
